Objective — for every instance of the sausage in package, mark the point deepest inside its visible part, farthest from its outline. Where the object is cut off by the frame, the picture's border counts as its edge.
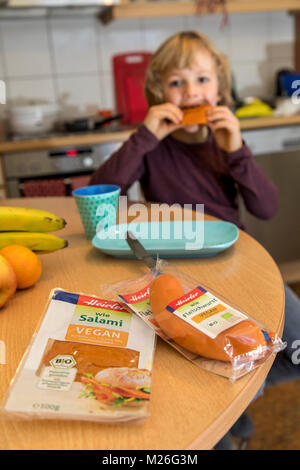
(91, 359)
(206, 328)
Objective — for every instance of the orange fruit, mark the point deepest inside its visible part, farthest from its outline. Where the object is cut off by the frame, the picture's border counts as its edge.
(26, 264)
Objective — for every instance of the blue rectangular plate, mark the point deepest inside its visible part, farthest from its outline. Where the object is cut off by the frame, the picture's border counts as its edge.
(169, 239)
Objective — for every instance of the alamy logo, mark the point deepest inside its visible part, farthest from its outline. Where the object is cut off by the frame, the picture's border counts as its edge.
(189, 222)
(296, 354)
(296, 94)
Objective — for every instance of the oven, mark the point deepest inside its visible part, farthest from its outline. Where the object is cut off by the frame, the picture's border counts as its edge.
(54, 172)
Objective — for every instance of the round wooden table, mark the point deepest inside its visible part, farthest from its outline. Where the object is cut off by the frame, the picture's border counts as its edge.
(190, 408)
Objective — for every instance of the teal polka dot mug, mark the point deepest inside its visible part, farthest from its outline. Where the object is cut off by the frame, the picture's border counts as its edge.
(98, 206)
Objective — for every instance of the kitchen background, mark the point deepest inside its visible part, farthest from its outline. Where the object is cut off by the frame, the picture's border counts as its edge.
(68, 60)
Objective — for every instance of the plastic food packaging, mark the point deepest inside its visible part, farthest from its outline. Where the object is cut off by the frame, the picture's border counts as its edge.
(90, 359)
(232, 343)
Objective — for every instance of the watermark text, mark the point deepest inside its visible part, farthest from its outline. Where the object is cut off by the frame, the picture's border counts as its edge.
(168, 222)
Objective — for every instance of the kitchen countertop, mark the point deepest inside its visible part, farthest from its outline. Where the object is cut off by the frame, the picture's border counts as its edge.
(64, 140)
(120, 135)
(190, 407)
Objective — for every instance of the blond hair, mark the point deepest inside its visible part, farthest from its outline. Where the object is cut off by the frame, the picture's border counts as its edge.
(179, 52)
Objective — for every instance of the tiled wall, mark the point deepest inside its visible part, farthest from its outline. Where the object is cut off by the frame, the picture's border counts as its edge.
(68, 60)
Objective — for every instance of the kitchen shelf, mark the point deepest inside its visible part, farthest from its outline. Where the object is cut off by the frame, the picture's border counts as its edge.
(147, 9)
(269, 121)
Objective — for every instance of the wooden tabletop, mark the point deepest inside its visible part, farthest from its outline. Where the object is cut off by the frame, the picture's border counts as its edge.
(190, 408)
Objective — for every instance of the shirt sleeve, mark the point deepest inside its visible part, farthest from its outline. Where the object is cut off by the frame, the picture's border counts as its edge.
(257, 190)
(126, 165)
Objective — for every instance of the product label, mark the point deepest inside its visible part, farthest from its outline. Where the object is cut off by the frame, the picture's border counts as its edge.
(59, 379)
(139, 300)
(205, 311)
(100, 322)
(139, 303)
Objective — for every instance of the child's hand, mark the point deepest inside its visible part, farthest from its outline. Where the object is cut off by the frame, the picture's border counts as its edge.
(225, 127)
(163, 119)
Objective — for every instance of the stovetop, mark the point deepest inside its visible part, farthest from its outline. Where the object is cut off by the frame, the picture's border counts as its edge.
(59, 131)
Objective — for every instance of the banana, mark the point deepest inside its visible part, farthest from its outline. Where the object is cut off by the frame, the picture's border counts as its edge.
(29, 220)
(36, 241)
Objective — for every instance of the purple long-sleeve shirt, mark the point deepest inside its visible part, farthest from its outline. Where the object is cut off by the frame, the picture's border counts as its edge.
(172, 171)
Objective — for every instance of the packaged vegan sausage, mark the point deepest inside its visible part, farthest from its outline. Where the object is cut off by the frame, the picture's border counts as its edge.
(90, 359)
(206, 328)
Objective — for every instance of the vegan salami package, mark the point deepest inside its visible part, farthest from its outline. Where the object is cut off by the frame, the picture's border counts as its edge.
(90, 359)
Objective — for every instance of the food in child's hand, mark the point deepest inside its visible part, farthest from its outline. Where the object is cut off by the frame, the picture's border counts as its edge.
(196, 115)
(120, 386)
(239, 339)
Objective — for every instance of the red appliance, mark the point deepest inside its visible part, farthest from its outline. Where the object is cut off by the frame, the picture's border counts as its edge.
(129, 77)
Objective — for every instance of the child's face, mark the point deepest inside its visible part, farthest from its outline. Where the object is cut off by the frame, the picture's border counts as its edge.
(193, 86)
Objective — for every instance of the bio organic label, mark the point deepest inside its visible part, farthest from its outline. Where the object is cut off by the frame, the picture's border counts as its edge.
(99, 321)
(205, 311)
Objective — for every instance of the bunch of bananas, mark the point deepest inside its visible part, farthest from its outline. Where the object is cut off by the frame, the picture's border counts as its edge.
(30, 227)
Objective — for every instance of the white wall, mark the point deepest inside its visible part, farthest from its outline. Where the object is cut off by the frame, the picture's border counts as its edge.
(69, 59)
